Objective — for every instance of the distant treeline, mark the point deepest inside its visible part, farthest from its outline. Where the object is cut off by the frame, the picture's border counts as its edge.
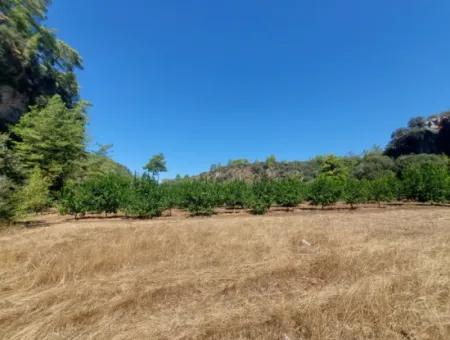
(420, 178)
(369, 165)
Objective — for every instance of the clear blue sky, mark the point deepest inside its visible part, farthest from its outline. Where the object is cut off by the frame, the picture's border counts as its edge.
(208, 81)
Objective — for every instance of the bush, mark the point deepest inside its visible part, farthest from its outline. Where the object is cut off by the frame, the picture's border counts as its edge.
(426, 182)
(355, 192)
(383, 189)
(33, 197)
(200, 197)
(6, 203)
(236, 194)
(107, 193)
(75, 199)
(289, 192)
(325, 191)
(262, 196)
(143, 198)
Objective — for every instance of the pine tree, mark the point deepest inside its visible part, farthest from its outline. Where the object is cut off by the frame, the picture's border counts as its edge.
(52, 138)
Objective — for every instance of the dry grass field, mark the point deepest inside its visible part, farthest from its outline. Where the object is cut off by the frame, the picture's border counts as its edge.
(367, 274)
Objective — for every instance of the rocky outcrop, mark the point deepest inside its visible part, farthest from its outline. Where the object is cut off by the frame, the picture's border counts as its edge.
(12, 106)
(430, 136)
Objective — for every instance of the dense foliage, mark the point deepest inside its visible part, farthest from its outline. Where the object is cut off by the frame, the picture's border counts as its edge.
(34, 63)
(143, 196)
(51, 138)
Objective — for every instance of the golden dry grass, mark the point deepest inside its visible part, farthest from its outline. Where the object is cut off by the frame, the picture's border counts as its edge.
(368, 274)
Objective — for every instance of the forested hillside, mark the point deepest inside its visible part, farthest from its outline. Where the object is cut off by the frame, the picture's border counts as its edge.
(42, 119)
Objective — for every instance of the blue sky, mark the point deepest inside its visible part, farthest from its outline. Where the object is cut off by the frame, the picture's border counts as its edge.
(208, 81)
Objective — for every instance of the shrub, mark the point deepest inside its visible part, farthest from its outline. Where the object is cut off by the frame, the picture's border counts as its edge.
(325, 190)
(289, 192)
(236, 194)
(143, 198)
(200, 197)
(106, 192)
(75, 199)
(33, 197)
(374, 165)
(262, 196)
(383, 189)
(426, 182)
(6, 203)
(355, 192)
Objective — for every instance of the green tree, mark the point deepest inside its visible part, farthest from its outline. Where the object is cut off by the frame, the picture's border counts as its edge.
(383, 189)
(98, 162)
(425, 182)
(262, 196)
(355, 192)
(34, 63)
(75, 199)
(325, 190)
(332, 166)
(144, 198)
(10, 178)
(271, 161)
(106, 192)
(200, 197)
(7, 207)
(156, 165)
(236, 194)
(289, 192)
(52, 138)
(374, 164)
(33, 197)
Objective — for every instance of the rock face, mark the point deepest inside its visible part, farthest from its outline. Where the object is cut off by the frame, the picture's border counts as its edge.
(431, 136)
(12, 105)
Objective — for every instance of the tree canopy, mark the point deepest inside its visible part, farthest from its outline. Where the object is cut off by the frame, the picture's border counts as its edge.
(156, 165)
(34, 63)
(52, 138)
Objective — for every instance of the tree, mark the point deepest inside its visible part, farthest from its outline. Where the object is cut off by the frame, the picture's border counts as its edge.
(262, 196)
(52, 138)
(289, 192)
(156, 165)
(374, 164)
(144, 198)
(325, 190)
(200, 197)
(107, 191)
(7, 188)
(332, 166)
(34, 64)
(383, 189)
(75, 199)
(33, 197)
(10, 178)
(99, 163)
(271, 161)
(426, 182)
(236, 194)
(355, 192)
